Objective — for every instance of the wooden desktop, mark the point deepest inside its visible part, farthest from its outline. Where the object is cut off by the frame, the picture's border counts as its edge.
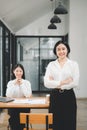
(33, 102)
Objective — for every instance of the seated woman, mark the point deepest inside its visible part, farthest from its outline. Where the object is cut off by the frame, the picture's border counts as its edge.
(18, 87)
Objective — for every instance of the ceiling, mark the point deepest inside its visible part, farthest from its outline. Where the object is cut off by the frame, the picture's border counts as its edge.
(17, 14)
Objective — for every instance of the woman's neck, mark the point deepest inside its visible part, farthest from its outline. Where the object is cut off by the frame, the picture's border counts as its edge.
(62, 60)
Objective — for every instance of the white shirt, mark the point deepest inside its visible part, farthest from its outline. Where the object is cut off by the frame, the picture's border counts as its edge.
(18, 91)
(70, 69)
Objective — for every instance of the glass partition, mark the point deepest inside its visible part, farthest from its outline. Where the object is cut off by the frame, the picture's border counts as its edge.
(28, 55)
(0, 61)
(35, 53)
(5, 57)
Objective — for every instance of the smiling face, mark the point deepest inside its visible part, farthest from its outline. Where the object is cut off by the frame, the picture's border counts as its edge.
(61, 51)
(18, 72)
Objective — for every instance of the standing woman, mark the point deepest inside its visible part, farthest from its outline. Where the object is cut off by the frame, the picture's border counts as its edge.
(62, 75)
(18, 87)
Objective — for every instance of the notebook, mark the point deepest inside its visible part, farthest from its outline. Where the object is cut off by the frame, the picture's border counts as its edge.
(6, 99)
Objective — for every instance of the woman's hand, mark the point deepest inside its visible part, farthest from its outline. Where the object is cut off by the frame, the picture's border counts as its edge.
(51, 78)
(18, 81)
(67, 81)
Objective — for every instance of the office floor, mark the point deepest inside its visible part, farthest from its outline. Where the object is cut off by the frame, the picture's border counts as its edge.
(81, 115)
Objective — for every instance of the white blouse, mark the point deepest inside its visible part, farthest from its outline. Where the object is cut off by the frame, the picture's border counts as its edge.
(70, 69)
(18, 91)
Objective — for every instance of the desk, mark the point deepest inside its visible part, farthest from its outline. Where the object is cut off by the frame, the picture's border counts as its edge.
(34, 103)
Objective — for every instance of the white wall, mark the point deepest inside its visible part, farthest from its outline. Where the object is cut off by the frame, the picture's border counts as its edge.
(77, 37)
(78, 41)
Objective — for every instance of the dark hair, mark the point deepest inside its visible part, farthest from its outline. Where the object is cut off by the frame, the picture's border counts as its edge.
(18, 65)
(61, 42)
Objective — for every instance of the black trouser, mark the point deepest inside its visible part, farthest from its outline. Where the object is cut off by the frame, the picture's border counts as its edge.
(63, 106)
(14, 120)
(1, 110)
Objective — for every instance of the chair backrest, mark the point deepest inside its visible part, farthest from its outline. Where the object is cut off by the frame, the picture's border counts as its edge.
(36, 118)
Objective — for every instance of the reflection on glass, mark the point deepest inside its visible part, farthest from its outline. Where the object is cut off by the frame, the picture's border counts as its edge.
(35, 54)
(28, 56)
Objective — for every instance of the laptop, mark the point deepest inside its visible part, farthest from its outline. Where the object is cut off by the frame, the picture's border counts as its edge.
(6, 99)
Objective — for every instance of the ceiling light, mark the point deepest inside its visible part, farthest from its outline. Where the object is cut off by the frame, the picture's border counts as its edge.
(60, 9)
(52, 26)
(55, 19)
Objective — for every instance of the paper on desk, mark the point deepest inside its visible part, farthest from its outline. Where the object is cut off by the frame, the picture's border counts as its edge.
(20, 101)
(37, 101)
(30, 101)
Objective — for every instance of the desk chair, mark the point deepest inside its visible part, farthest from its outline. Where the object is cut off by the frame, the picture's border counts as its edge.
(36, 118)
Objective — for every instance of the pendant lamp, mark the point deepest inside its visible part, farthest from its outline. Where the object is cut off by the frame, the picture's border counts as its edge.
(60, 9)
(55, 19)
(52, 26)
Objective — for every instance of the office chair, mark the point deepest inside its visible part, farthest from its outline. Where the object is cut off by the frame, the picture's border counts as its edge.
(36, 118)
